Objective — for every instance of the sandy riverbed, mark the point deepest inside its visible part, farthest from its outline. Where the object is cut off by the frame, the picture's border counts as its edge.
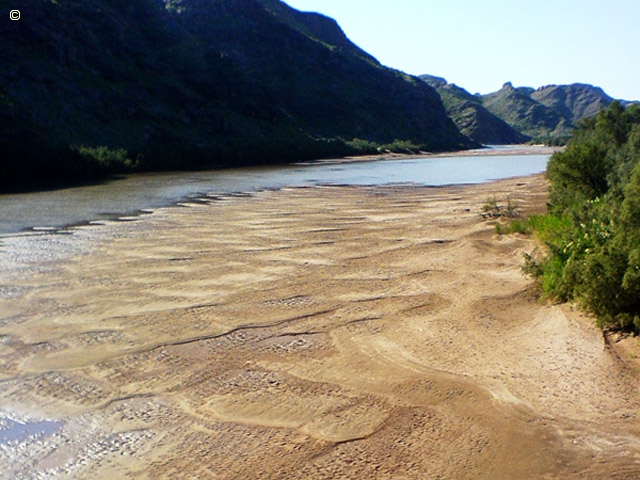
(330, 332)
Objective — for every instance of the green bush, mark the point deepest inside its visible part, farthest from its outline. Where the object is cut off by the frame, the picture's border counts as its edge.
(103, 159)
(592, 231)
(492, 208)
(363, 146)
(402, 146)
(513, 226)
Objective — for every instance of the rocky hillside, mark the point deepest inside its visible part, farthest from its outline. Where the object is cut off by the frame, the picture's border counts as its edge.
(550, 113)
(518, 108)
(517, 115)
(575, 102)
(88, 88)
(471, 117)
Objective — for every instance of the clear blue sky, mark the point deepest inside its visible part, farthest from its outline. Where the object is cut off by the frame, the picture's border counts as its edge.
(481, 44)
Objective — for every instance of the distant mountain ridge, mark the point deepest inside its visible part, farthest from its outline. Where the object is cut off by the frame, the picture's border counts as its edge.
(546, 114)
(180, 84)
(518, 108)
(575, 102)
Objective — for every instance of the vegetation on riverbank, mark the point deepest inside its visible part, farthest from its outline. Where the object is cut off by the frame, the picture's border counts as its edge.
(35, 164)
(591, 232)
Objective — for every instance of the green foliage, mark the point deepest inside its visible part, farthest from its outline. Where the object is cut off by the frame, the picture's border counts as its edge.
(107, 160)
(592, 232)
(363, 147)
(401, 146)
(551, 140)
(514, 226)
(550, 229)
(493, 208)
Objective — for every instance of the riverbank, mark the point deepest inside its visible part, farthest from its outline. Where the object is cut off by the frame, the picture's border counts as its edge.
(319, 332)
(133, 193)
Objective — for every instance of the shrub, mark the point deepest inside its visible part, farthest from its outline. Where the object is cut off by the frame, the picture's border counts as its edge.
(514, 226)
(592, 232)
(493, 209)
(103, 159)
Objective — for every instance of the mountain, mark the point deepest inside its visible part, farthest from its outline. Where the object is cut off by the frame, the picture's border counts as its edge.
(88, 88)
(518, 108)
(471, 117)
(575, 102)
(517, 115)
(548, 113)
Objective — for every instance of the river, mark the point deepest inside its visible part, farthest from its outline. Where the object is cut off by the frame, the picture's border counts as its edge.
(135, 193)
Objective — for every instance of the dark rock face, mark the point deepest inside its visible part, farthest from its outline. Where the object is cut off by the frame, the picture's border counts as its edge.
(192, 83)
(482, 126)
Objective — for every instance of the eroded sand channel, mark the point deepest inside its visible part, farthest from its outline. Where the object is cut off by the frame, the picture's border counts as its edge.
(329, 332)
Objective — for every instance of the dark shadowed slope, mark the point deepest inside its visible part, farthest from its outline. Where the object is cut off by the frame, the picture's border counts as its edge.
(195, 83)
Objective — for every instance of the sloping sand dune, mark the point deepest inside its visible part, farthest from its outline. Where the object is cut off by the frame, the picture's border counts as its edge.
(329, 332)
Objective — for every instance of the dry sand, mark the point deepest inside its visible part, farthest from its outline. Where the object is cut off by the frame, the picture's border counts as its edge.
(330, 332)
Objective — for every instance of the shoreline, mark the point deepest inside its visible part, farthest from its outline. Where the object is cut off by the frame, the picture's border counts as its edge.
(111, 201)
(312, 332)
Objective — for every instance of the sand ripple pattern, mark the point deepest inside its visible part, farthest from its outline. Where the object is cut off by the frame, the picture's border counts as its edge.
(316, 333)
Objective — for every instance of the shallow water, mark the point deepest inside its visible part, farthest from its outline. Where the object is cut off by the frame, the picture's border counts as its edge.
(12, 431)
(53, 209)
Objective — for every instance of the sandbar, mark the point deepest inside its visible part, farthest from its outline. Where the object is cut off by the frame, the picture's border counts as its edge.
(315, 333)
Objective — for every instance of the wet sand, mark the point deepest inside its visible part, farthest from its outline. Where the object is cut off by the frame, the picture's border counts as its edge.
(325, 332)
